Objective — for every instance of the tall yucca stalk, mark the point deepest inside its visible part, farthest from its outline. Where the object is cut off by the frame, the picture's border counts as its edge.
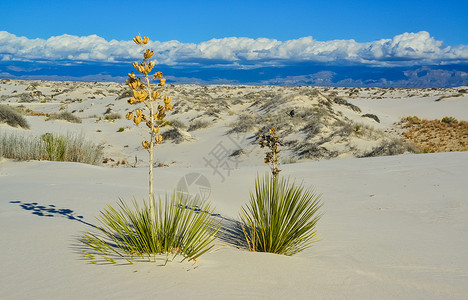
(280, 217)
(144, 93)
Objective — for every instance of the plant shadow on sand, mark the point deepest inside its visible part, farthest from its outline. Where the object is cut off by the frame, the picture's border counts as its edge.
(232, 233)
(51, 211)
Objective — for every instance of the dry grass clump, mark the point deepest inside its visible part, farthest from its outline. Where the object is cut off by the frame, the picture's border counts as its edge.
(444, 135)
(391, 147)
(198, 124)
(245, 123)
(12, 117)
(53, 147)
(66, 116)
(112, 116)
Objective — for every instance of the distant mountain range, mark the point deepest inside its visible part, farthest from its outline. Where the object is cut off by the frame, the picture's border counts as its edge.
(313, 74)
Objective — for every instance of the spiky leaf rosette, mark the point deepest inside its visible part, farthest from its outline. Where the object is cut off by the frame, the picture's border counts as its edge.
(181, 227)
(280, 217)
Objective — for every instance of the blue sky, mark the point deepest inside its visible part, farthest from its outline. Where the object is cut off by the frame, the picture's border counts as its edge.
(198, 21)
(234, 34)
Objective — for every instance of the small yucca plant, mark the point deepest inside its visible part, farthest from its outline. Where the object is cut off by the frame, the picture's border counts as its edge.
(180, 226)
(281, 215)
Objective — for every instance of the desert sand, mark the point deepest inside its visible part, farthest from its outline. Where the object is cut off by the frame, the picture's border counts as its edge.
(394, 227)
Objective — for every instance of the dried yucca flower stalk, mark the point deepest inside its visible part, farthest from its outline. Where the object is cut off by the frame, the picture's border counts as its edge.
(272, 157)
(154, 104)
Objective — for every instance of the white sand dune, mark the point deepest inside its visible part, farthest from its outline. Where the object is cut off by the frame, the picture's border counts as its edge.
(394, 227)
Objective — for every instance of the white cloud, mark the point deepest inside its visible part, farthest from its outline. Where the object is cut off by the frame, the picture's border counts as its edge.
(403, 49)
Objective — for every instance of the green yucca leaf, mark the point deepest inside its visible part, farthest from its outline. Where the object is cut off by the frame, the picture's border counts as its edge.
(280, 217)
(131, 232)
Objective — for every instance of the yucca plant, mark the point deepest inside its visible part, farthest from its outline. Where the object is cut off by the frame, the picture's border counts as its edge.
(177, 225)
(181, 227)
(146, 96)
(281, 215)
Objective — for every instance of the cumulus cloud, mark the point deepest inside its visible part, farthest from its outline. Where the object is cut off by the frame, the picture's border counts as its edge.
(403, 49)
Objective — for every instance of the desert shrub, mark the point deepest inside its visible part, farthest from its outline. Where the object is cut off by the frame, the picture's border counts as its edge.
(198, 124)
(449, 120)
(174, 135)
(280, 217)
(179, 227)
(12, 117)
(53, 147)
(112, 116)
(411, 120)
(176, 124)
(244, 123)
(19, 147)
(67, 116)
(391, 147)
(436, 135)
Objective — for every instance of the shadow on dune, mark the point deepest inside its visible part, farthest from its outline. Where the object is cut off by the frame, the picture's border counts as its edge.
(51, 211)
(232, 233)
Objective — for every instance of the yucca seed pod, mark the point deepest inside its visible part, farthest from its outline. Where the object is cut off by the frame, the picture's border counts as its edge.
(156, 130)
(145, 40)
(138, 112)
(131, 75)
(169, 106)
(129, 116)
(137, 120)
(156, 95)
(137, 40)
(162, 81)
(148, 124)
(145, 144)
(158, 139)
(167, 99)
(158, 75)
(148, 54)
(131, 101)
(135, 65)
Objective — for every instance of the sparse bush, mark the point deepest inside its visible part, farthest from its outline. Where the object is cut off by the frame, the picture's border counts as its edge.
(121, 129)
(437, 136)
(391, 147)
(449, 120)
(198, 124)
(244, 123)
(12, 117)
(177, 124)
(67, 116)
(112, 116)
(174, 135)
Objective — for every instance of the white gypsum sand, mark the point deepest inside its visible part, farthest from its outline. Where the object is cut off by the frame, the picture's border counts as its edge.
(394, 226)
